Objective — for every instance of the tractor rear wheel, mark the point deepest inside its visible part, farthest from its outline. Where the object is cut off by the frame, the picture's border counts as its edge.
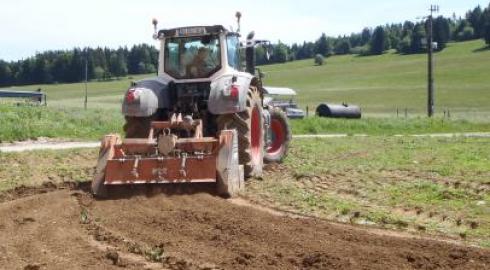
(280, 137)
(137, 127)
(249, 126)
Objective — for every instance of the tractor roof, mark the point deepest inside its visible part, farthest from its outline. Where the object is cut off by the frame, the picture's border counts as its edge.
(279, 91)
(192, 31)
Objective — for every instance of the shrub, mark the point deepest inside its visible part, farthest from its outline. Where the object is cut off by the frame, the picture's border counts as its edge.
(360, 50)
(466, 34)
(319, 60)
(405, 46)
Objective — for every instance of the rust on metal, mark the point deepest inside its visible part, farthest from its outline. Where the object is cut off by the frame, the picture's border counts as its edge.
(161, 170)
(177, 122)
(139, 161)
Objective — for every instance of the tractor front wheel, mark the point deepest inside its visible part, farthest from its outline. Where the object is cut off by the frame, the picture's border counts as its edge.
(280, 134)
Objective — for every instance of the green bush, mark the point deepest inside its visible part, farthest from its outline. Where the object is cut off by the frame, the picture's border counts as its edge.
(319, 60)
(467, 33)
(360, 50)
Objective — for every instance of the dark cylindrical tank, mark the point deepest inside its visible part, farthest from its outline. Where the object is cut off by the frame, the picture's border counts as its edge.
(338, 111)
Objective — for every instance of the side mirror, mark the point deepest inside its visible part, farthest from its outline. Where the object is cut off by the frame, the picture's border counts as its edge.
(251, 35)
(250, 53)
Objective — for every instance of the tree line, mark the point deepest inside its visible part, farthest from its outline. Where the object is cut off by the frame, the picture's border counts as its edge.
(104, 63)
(69, 66)
(406, 38)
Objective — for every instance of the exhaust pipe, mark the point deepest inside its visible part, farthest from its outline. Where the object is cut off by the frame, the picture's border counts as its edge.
(250, 53)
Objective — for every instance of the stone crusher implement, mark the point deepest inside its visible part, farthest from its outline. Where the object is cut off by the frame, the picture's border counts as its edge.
(163, 157)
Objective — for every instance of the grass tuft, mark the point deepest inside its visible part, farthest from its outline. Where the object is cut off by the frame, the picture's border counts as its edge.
(385, 126)
(30, 122)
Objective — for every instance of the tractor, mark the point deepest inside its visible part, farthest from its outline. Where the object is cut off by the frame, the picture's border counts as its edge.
(201, 120)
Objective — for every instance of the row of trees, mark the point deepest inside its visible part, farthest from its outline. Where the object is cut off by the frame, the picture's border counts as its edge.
(104, 63)
(69, 66)
(407, 38)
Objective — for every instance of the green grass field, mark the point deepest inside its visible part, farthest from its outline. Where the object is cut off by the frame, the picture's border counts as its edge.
(18, 123)
(387, 126)
(101, 95)
(379, 84)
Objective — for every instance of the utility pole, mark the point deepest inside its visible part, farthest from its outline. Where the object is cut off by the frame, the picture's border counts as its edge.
(86, 78)
(430, 99)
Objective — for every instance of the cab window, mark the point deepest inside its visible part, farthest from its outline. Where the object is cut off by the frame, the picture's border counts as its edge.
(233, 45)
(192, 57)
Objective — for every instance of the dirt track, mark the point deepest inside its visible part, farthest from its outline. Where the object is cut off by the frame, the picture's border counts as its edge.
(66, 229)
(56, 144)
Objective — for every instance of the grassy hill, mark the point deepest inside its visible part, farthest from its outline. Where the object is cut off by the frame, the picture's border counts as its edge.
(380, 84)
(101, 95)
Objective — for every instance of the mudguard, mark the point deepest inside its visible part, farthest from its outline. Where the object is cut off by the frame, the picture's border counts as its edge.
(146, 97)
(220, 101)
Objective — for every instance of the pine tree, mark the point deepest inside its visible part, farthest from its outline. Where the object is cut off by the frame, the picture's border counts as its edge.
(322, 45)
(343, 46)
(441, 31)
(486, 25)
(5, 73)
(418, 37)
(475, 18)
(280, 54)
(118, 65)
(365, 36)
(379, 41)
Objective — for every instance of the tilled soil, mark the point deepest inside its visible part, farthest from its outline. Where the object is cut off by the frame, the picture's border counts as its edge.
(53, 228)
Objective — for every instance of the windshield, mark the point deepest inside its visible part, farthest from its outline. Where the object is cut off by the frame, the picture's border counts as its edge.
(192, 57)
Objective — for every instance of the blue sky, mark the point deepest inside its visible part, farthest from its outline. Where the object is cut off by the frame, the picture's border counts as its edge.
(30, 26)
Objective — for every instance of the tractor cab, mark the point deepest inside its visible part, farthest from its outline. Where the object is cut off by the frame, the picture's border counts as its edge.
(198, 52)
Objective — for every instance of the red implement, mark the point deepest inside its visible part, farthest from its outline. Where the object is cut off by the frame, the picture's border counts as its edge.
(164, 158)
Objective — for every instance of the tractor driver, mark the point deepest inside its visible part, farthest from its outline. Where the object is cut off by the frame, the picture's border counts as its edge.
(199, 67)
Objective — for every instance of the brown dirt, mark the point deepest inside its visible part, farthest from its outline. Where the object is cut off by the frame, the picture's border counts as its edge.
(67, 229)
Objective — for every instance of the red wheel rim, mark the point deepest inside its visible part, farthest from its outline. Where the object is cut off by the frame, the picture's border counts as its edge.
(255, 136)
(278, 137)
